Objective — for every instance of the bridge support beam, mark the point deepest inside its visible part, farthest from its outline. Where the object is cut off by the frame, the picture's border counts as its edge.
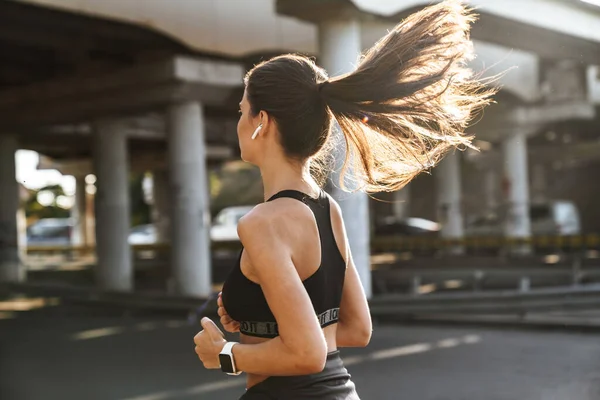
(79, 213)
(339, 49)
(448, 181)
(518, 224)
(401, 205)
(114, 270)
(161, 209)
(10, 264)
(491, 189)
(190, 218)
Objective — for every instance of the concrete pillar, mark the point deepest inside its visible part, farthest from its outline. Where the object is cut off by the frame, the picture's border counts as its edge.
(161, 210)
(538, 183)
(339, 49)
(78, 213)
(90, 213)
(448, 183)
(491, 189)
(518, 224)
(401, 203)
(190, 218)
(10, 264)
(114, 269)
(524, 284)
(22, 233)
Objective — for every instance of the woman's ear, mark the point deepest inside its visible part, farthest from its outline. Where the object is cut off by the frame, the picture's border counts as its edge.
(265, 121)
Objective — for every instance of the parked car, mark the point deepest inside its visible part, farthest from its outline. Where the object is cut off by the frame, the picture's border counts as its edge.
(554, 218)
(559, 218)
(412, 226)
(143, 234)
(50, 232)
(224, 227)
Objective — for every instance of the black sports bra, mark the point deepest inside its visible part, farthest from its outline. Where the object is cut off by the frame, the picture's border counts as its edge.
(245, 302)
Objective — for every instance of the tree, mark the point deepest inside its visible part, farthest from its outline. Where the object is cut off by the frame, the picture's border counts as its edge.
(237, 183)
(51, 197)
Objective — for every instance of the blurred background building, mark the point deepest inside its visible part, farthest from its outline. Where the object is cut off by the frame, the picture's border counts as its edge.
(121, 188)
(136, 102)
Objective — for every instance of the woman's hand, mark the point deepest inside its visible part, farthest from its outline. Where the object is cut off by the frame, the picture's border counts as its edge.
(228, 323)
(209, 343)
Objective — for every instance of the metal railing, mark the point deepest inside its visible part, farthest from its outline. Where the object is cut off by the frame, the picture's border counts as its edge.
(491, 243)
(382, 306)
(493, 302)
(158, 247)
(391, 243)
(416, 280)
(401, 288)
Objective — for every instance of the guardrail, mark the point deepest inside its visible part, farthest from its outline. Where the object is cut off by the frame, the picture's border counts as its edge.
(389, 243)
(382, 306)
(94, 296)
(418, 280)
(160, 248)
(497, 302)
(547, 243)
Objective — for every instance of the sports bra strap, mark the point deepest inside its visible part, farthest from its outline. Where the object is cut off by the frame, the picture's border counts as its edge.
(298, 195)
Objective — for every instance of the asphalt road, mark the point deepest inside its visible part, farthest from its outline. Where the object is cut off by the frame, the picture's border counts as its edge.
(66, 353)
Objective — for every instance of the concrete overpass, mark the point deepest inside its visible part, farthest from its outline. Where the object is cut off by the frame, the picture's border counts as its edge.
(116, 86)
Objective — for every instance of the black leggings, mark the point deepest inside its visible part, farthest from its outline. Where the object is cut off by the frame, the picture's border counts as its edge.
(333, 383)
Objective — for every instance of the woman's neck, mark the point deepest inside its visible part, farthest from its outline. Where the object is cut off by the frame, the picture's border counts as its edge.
(278, 175)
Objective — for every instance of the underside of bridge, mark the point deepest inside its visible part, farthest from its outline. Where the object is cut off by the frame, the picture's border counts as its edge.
(101, 96)
(61, 70)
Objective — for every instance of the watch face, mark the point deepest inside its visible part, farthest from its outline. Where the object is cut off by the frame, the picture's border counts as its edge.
(226, 363)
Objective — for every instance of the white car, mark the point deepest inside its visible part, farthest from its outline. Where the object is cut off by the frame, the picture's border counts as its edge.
(50, 232)
(224, 227)
(143, 234)
(554, 218)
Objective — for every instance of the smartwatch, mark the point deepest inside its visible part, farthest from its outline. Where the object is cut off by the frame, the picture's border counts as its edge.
(226, 359)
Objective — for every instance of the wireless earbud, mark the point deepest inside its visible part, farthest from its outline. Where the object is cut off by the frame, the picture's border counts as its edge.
(255, 134)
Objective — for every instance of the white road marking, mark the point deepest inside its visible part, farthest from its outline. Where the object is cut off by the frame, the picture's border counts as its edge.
(146, 326)
(446, 343)
(400, 351)
(96, 333)
(350, 360)
(115, 330)
(199, 389)
(471, 339)
(176, 324)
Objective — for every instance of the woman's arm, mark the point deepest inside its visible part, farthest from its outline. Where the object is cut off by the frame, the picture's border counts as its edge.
(300, 347)
(354, 327)
(228, 323)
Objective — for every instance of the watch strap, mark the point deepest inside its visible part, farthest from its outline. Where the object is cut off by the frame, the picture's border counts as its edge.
(227, 350)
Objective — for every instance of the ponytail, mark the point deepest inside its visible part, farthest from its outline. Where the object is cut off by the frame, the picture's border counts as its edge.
(410, 99)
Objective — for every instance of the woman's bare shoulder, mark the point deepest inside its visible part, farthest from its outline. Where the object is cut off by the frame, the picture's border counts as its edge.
(277, 217)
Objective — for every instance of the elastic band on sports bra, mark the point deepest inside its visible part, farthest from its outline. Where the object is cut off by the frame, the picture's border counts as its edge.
(270, 329)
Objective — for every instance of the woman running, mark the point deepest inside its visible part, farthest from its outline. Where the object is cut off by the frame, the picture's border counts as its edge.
(295, 296)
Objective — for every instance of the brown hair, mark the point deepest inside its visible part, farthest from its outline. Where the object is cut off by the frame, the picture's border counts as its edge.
(407, 103)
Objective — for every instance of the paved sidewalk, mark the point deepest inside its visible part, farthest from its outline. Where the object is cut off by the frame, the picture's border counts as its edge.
(569, 320)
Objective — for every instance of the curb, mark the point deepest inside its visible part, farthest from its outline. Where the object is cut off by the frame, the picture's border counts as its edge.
(91, 296)
(545, 323)
(195, 307)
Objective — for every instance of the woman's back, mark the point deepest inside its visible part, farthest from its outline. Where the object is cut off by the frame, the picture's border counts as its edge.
(312, 229)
